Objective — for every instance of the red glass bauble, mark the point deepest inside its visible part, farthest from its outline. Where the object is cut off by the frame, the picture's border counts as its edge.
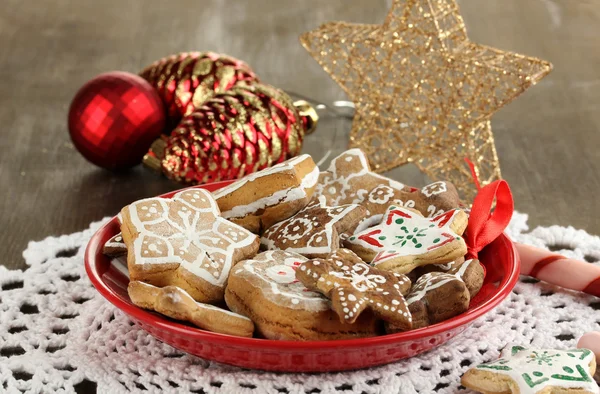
(114, 118)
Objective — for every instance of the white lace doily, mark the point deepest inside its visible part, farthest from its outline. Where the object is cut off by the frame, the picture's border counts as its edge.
(58, 335)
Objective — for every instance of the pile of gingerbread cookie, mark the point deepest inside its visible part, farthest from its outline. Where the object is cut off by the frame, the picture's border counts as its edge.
(294, 253)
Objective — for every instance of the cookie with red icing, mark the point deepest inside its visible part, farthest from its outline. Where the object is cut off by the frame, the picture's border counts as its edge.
(404, 239)
(184, 242)
(354, 287)
(266, 290)
(314, 231)
(176, 303)
(349, 180)
(266, 197)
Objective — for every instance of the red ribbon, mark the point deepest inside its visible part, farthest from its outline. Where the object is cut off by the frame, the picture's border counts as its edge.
(485, 225)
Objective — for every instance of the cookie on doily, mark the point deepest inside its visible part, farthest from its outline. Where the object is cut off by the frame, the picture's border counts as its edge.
(265, 289)
(176, 303)
(404, 239)
(314, 231)
(266, 197)
(354, 287)
(435, 297)
(535, 371)
(349, 180)
(184, 242)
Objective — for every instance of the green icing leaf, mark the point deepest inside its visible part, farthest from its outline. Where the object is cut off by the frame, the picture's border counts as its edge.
(532, 383)
(516, 349)
(583, 375)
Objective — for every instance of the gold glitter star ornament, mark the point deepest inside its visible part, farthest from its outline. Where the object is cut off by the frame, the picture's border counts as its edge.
(423, 92)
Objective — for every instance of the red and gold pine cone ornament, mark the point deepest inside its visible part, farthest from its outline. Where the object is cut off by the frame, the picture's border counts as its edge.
(186, 80)
(240, 131)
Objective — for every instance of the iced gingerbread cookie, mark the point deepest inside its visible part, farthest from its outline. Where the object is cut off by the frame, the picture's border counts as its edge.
(353, 287)
(314, 231)
(184, 242)
(261, 199)
(265, 289)
(115, 246)
(435, 297)
(535, 371)
(349, 180)
(591, 341)
(405, 240)
(176, 303)
(470, 271)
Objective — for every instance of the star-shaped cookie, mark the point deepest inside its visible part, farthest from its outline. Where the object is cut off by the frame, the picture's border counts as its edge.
(314, 231)
(349, 180)
(353, 286)
(424, 93)
(184, 242)
(533, 371)
(405, 239)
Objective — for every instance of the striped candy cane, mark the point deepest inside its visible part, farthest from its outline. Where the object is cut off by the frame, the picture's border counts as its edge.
(559, 270)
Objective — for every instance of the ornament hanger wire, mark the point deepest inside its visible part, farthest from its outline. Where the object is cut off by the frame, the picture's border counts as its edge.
(339, 109)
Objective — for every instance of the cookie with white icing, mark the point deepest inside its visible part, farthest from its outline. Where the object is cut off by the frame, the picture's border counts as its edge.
(263, 198)
(314, 231)
(435, 297)
(354, 287)
(184, 242)
(266, 290)
(405, 240)
(115, 246)
(469, 271)
(176, 303)
(349, 180)
(521, 370)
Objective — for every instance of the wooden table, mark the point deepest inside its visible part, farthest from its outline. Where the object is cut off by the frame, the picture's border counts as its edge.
(547, 140)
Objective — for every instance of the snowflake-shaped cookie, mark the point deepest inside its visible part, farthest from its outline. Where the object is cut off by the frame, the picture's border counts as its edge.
(522, 370)
(184, 242)
(314, 231)
(405, 239)
(349, 180)
(353, 286)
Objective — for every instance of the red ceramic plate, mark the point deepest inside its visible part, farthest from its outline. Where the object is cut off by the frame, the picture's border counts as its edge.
(499, 258)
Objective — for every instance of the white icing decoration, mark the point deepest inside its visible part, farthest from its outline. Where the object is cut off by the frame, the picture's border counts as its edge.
(381, 194)
(204, 235)
(285, 290)
(434, 188)
(281, 228)
(426, 283)
(344, 179)
(280, 196)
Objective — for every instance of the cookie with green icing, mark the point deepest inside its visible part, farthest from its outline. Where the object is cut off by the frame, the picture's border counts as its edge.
(521, 370)
(405, 240)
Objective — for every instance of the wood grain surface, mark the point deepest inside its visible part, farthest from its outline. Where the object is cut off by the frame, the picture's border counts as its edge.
(547, 140)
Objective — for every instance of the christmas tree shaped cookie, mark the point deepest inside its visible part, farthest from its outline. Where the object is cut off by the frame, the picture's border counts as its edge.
(405, 239)
(536, 371)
